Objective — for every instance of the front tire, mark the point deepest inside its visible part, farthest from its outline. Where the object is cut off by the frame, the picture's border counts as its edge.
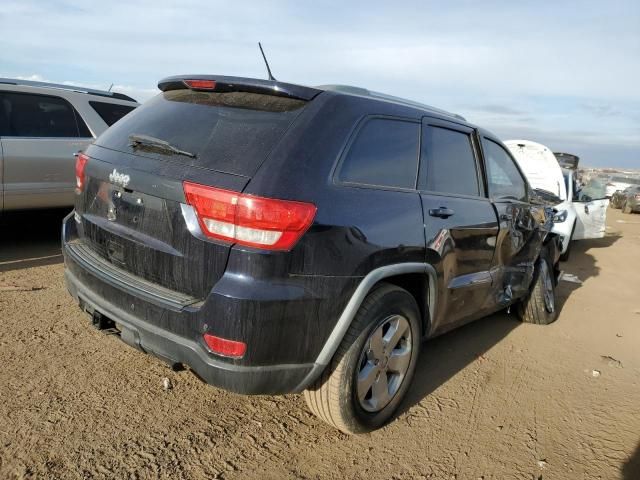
(565, 256)
(373, 367)
(540, 306)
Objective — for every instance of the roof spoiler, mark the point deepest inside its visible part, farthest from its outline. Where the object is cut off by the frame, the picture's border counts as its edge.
(221, 83)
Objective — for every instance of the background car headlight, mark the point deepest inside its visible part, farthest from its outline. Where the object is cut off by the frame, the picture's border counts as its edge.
(560, 216)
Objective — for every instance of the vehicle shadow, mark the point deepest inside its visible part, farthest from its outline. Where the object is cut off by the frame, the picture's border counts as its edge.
(443, 357)
(631, 468)
(582, 265)
(30, 238)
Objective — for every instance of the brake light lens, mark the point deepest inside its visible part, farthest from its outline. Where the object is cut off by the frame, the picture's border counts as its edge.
(201, 84)
(249, 220)
(81, 163)
(222, 346)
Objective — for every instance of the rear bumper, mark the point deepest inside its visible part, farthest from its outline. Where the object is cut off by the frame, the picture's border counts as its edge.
(284, 323)
(272, 379)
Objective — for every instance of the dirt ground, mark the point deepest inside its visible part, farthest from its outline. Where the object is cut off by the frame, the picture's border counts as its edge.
(496, 399)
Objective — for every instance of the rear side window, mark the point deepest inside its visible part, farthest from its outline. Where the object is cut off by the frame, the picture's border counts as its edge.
(110, 112)
(26, 115)
(504, 178)
(384, 153)
(230, 132)
(447, 163)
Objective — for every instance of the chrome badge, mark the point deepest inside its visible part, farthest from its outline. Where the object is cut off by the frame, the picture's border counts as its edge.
(119, 178)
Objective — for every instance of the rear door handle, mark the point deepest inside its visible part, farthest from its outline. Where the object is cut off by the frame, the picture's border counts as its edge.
(441, 212)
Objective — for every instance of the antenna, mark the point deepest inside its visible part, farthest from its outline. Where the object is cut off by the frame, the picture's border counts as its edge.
(271, 77)
(110, 88)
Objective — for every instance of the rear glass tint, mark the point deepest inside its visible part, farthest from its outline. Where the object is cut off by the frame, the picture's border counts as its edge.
(384, 153)
(110, 112)
(40, 116)
(228, 132)
(448, 164)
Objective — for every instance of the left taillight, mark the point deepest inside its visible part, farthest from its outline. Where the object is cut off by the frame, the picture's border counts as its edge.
(81, 163)
(249, 220)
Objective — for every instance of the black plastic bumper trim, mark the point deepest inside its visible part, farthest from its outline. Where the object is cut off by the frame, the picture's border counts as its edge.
(118, 278)
(245, 379)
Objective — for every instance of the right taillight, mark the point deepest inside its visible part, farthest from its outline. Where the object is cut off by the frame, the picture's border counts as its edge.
(81, 163)
(249, 220)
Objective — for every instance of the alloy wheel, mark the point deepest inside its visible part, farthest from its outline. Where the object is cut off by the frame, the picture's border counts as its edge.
(547, 287)
(384, 362)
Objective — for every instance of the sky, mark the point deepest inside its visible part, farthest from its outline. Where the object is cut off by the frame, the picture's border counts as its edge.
(565, 74)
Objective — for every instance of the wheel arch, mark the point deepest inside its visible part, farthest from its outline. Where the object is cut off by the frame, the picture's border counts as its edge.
(404, 275)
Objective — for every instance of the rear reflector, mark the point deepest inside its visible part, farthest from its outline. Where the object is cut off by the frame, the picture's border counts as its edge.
(222, 346)
(81, 163)
(201, 84)
(249, 220)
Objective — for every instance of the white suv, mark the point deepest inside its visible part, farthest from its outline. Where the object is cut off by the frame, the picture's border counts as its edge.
(42, 126)
(581, 214)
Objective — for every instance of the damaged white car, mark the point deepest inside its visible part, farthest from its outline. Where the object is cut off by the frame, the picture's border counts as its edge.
(580, 213)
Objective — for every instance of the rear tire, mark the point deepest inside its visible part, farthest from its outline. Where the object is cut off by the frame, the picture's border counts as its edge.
(540, 306)
(373, 367)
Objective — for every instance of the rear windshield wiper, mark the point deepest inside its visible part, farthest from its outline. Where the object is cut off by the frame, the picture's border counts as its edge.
(153, 143)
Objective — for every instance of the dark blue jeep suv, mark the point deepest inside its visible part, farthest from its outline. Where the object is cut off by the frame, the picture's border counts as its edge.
(277, 238)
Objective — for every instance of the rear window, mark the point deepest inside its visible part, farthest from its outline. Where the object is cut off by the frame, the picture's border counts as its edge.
(384, 153)
(448, 164)
(228, 132)
(110, 112)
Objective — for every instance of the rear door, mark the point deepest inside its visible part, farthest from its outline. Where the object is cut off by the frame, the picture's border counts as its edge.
(39, 138)
(520, 238)
(461, 226)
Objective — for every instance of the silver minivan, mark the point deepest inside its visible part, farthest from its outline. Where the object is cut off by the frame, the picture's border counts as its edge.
(42, 126)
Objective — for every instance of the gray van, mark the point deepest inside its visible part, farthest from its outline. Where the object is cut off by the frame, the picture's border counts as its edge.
(42, 126)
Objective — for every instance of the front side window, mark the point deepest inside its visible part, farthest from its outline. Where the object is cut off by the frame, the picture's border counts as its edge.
(504, 178)
(384, 153)
(447, 162)
(28, 115)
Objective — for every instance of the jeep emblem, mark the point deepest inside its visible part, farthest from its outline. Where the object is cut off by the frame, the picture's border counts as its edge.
(119, 178)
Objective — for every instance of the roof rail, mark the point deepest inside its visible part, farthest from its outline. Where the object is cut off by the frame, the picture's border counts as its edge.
(363, 92)
(71, 88)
